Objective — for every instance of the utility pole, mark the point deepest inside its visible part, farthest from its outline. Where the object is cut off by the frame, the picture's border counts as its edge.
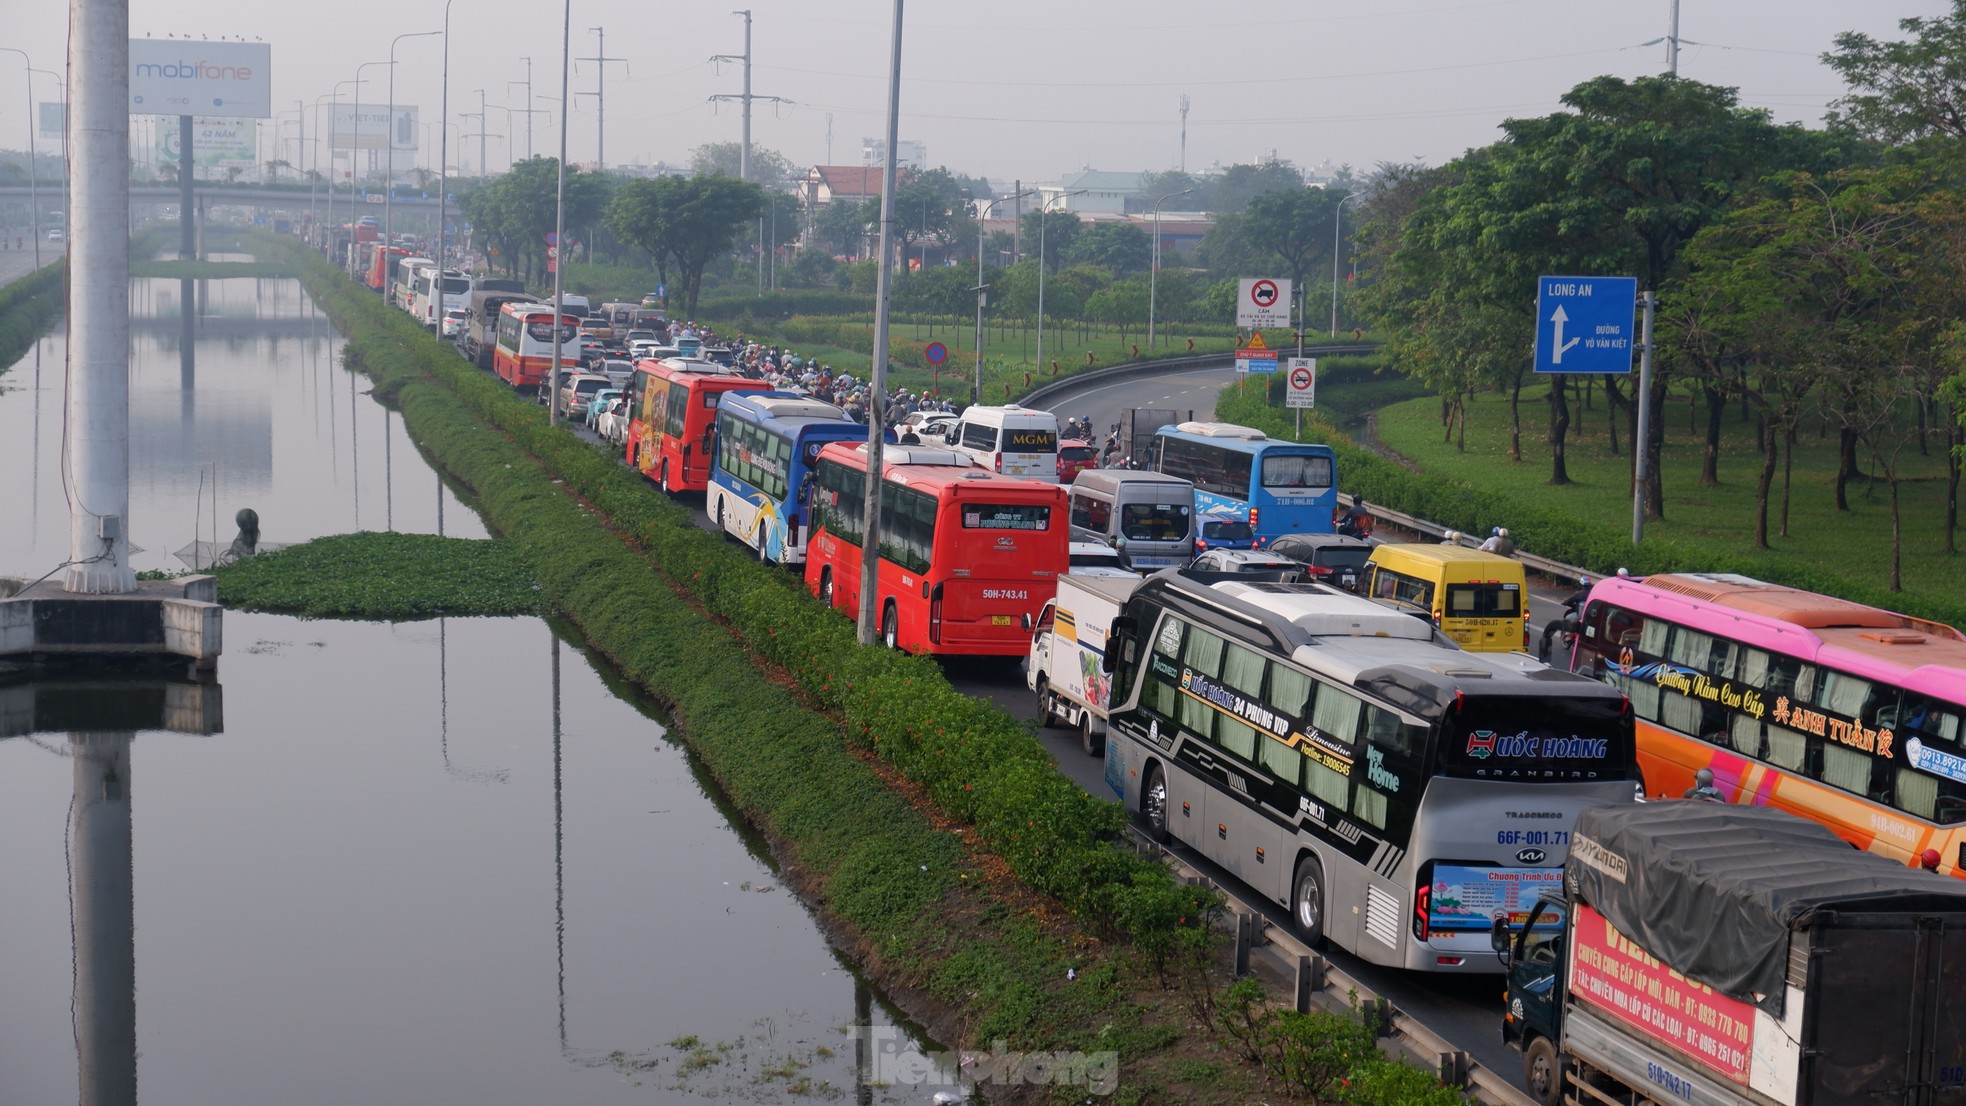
(829, 138)
(600, 98)
(746, 97)
(1184, 128)
(482, 129)
(1672, 37)
(528, 109)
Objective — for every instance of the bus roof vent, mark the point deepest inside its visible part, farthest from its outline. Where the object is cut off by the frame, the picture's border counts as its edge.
(1460, 671)
(1888, 637)
(1222, 430)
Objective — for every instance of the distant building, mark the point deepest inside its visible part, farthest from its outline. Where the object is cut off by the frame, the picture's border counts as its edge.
(822, 184)
(909, 154)
(1100, 191)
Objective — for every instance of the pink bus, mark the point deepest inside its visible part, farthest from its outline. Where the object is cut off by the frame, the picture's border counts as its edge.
(1841, 713)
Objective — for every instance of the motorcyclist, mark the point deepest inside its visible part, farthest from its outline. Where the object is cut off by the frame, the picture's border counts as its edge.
(1573, 607)
(1356, 522)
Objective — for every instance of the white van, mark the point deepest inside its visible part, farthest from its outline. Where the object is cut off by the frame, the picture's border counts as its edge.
(1013, 440)
(1147, 515)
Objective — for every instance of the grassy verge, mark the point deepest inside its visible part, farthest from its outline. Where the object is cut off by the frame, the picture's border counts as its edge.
(962, 869)
(27, 307)
(1589, 525)
(384, 575)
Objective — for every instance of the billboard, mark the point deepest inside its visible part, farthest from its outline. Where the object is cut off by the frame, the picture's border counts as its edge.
(54, 119)
(181, 77)
(374, 129)
(216, 144)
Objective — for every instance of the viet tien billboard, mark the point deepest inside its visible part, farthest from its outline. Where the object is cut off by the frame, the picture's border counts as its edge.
(374, 127)
(233, 80)
(216, 144)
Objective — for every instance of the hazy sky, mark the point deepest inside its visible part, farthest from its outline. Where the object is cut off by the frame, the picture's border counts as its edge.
(1012, 88)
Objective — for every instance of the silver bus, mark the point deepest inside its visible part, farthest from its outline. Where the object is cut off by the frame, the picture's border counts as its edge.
(1148, 516)
(1348, 761)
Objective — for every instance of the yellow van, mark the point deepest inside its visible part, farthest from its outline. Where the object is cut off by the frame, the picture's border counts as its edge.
(1480, 600)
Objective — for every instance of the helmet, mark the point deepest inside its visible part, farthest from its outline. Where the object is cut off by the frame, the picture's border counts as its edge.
(1498, 531)
(1503, 532)
(1584, 580)
(1622, 571)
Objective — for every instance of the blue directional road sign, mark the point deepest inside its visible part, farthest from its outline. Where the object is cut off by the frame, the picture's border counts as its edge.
(1584, 324)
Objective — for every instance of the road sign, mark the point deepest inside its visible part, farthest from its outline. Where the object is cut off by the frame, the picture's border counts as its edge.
(1257, 356)
(1584, 324)
(936, 353)
(1302, 391)
(1262, 302)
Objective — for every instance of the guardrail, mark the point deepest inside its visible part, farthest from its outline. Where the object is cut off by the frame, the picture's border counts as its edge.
(1045, 391)
(1556, 570)
(1315, 979)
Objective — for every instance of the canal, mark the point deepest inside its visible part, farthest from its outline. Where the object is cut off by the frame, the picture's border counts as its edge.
(445, 861)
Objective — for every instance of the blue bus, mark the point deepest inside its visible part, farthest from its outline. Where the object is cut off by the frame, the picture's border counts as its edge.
(1277, 487)
(766, 444)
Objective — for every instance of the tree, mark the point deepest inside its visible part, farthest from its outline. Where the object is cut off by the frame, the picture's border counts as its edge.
(1121, 247)
(685, 220)
(1122, 304)
(1904, 90)
(1155, 185)
(842, 227)
(929, 206)
(1055, 230)
(1296, 228)
(274, 167)
(1240, 184)
(768, 167)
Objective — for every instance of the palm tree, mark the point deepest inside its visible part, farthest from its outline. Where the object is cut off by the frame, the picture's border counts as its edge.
(273, 168)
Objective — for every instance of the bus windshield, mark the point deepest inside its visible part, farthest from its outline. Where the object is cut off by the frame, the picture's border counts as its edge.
(1296, 470)
(1535, 739)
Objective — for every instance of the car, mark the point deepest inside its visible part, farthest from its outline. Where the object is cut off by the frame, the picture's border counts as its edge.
(612, 423)
(56, 235)
(1224, 532)
(576, 389)
(454, 322)
(929, 424)
(651, 349)
(1335, 559)
(1093, 557)
(1075, 456)
(596, 327)
(596, 404)
(641, 334)
(617, 369)
(1250, 563)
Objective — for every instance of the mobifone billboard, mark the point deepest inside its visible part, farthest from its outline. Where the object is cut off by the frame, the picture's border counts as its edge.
(180, 76)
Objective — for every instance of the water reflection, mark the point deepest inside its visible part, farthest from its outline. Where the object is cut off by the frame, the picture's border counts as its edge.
(235, 379)
(103, 717)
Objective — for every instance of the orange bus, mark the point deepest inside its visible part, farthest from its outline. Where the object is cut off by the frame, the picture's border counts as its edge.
(1848, 715)
(968, 556)
(523, 356)
(672, 425)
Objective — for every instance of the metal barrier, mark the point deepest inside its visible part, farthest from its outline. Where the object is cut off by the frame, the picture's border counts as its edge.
(1557, 570)
(1043, 392)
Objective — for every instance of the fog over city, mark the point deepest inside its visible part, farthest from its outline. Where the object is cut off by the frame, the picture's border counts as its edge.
(1013, 89)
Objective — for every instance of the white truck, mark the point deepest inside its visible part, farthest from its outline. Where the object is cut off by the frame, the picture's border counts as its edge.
(1066, 665)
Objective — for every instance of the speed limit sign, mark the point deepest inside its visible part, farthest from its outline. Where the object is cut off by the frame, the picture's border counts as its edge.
(1302, 377)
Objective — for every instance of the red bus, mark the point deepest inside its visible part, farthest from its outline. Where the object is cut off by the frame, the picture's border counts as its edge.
(672, 426)
(382, 266)
(523, 356)
(967, 555)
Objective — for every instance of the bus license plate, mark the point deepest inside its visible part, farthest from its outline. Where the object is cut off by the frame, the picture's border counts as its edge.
(1000, 620)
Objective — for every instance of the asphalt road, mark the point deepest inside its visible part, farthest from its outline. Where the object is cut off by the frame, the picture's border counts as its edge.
(15, 264)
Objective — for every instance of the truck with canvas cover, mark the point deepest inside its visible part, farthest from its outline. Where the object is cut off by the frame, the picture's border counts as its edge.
(1137, 427)
(1715, 955)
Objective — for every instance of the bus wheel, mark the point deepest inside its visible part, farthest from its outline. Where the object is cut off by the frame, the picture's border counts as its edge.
(890, 627)
(826, 586)
(1088, 740)
(1045, 717)
(1153, 805)
(1307, 901)
(1542, 1074)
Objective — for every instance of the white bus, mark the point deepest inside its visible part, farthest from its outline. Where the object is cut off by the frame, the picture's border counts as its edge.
(1348, 761)
(455, 292)
(1013, 440)
(403, 283)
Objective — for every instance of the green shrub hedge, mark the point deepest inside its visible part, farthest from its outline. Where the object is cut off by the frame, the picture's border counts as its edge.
(977, 762)
(27, 306)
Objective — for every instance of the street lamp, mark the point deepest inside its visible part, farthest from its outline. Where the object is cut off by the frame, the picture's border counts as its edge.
(976, 389)
(1337, 220)
(1044, 216)
(444, 148)
(352, 169)
(33, 173)
(1153, 275)
(389, 178)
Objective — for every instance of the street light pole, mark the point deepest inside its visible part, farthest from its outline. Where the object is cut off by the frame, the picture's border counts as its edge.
(976, 389)
(1153, 275)
(334, 109)
(1337, 221)
(33, 170)
(389, 183)
(353, 168)
(444, 146)
(560, 216)
(1044, 216)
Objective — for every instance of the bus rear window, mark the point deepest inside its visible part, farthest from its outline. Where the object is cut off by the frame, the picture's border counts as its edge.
(1532, 739)
(1483, 601)
(543, 332)
(1006, 516)
(1156, 522)
(1296, 470)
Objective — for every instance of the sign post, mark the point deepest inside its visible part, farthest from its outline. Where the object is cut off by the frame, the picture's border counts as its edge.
(1301, 391)
(1262, 303)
